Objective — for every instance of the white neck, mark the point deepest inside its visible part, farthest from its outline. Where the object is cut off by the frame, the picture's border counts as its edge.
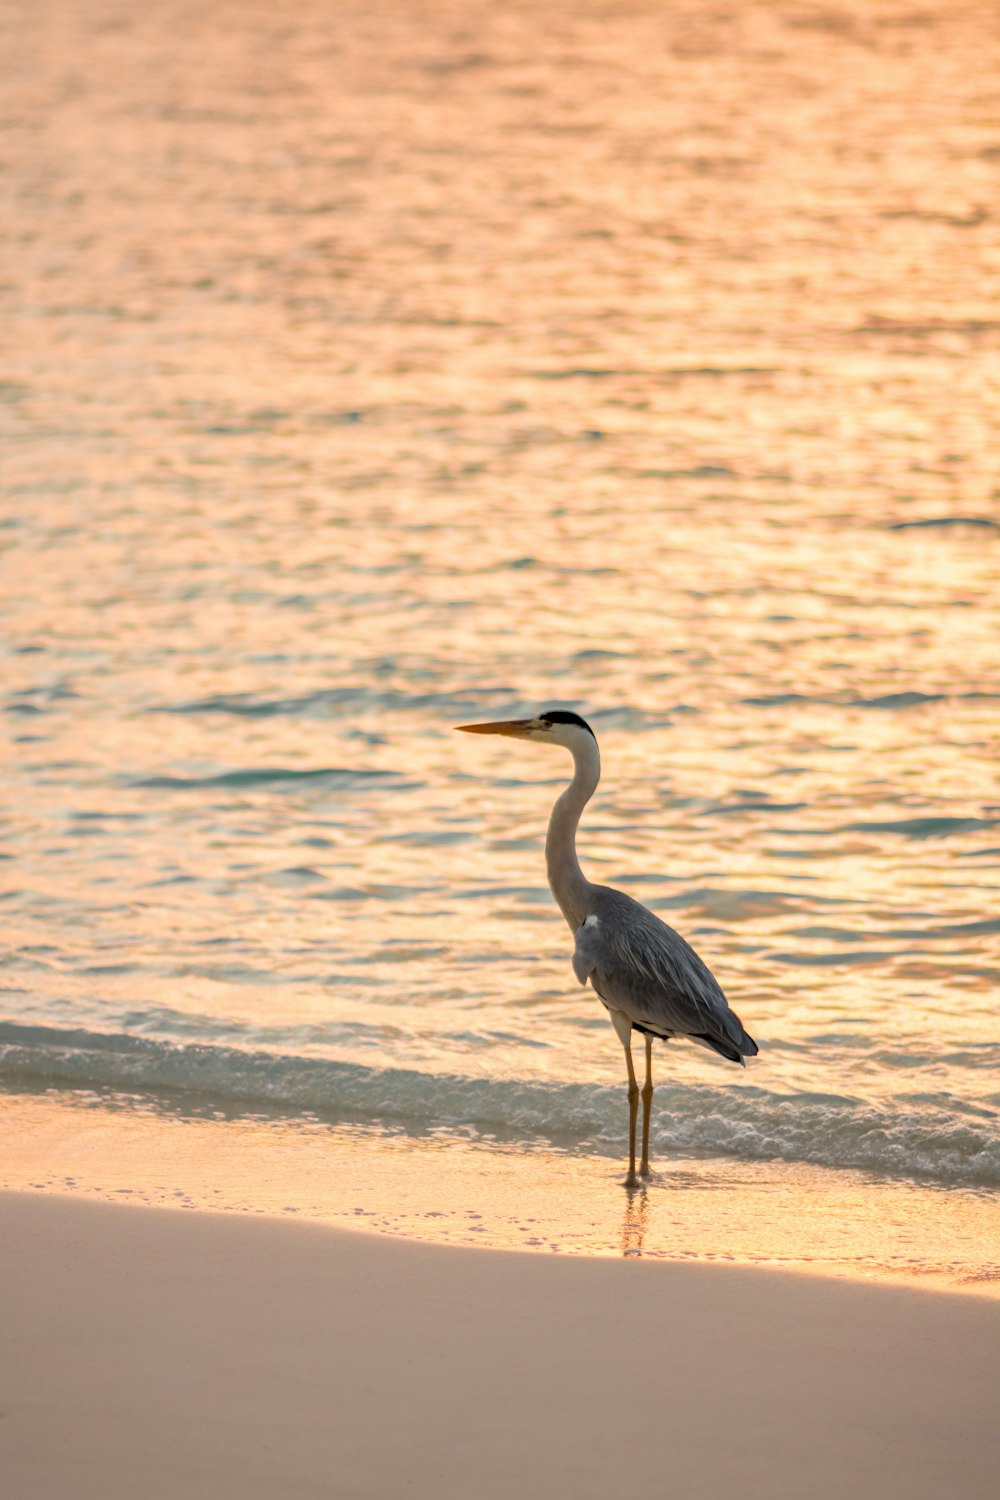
(569, 884)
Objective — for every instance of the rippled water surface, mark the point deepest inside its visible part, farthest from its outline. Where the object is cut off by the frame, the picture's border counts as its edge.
(376, 368)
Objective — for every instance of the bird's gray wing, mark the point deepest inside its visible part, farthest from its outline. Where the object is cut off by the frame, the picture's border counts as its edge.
(639, 965)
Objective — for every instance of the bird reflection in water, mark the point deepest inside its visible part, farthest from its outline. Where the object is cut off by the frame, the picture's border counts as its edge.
(636, 1221)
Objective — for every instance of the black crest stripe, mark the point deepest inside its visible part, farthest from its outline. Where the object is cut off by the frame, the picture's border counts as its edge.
(563, 716)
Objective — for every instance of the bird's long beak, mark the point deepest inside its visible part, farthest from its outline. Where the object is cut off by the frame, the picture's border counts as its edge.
(517, 729)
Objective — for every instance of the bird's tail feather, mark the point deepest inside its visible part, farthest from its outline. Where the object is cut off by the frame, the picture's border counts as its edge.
(732, 1051)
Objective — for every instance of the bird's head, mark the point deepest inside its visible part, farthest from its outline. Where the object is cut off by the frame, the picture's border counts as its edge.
(555, 726)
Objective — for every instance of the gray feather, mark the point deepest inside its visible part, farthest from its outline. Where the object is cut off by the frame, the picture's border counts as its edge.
(588, 949)
(639, 965)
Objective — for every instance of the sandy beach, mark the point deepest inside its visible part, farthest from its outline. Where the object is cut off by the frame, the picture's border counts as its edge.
(187, 1354)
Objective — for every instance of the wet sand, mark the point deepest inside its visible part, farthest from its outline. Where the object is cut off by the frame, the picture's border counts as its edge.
(450, 1190)
(181, 1353)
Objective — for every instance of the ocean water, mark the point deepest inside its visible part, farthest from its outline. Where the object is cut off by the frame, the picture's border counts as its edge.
(374, 369)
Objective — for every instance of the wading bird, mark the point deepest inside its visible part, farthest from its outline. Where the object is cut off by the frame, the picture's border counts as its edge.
(648, 978)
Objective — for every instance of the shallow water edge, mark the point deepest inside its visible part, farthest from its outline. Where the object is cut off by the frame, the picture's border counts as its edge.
(449, 1189)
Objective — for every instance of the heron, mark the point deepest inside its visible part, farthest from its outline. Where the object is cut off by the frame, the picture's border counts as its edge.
(644, 973)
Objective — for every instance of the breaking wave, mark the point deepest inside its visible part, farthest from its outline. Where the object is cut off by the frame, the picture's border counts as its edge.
(740, 1120)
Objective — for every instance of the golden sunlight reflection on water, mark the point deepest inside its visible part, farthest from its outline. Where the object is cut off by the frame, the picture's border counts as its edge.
(374, 368)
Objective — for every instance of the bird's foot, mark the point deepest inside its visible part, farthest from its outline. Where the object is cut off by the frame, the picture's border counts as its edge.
(631, 1180)
(645, 1170)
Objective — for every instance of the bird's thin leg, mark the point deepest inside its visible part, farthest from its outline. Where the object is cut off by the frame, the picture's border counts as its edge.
(647, 1100)
(623, 1031)
(633, 1111)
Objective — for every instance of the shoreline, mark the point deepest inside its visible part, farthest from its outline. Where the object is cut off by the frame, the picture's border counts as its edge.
(191, 1353)
(460, 1192)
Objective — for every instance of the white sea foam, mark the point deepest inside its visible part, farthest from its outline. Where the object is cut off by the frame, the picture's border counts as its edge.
(747, 1122)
